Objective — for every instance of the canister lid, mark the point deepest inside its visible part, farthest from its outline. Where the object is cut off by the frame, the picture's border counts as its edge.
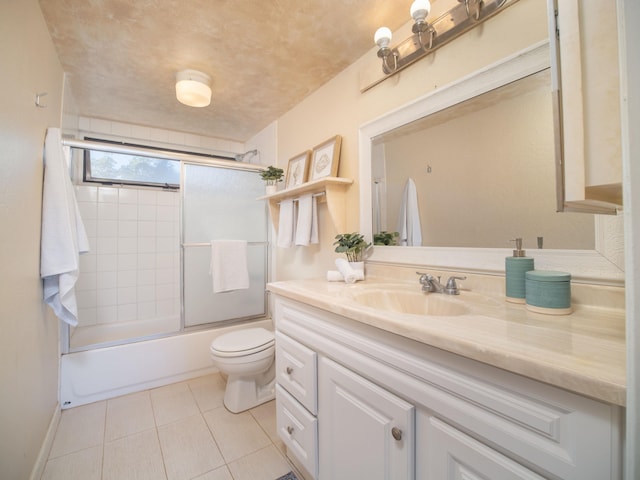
(547, 276)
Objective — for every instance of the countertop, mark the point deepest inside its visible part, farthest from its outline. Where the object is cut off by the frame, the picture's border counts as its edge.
(583, 352)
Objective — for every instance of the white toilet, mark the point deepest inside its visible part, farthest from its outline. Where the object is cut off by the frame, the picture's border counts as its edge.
(247, 357)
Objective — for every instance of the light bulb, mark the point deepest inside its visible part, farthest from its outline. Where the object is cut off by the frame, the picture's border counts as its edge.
(420, 10)
(382, 37)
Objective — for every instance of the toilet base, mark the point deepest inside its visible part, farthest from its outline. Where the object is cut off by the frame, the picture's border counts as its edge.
(243, 393)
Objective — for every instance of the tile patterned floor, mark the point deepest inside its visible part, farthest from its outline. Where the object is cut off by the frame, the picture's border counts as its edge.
(178, 432)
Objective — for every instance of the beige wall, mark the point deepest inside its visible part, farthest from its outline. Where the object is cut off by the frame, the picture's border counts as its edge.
(29, 339)
(339, 108)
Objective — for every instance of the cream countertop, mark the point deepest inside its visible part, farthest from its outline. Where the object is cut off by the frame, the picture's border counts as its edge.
(583, 352)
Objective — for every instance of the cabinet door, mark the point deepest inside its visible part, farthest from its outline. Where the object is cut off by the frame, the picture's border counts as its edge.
(364, 430)
(586, 77)
(452, 455)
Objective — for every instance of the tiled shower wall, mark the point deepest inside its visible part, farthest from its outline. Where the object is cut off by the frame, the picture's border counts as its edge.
(133, 269)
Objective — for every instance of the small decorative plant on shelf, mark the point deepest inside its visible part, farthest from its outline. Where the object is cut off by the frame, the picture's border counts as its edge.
(353, 245)
(385, 238)
(272, 175)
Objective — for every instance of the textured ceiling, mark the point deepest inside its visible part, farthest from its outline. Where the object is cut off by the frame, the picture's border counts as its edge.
(264, 56)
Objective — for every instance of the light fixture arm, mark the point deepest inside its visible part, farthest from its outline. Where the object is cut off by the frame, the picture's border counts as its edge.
(463, 16)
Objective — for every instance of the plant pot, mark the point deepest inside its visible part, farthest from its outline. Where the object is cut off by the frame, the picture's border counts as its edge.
(271, 189)
(357, 266)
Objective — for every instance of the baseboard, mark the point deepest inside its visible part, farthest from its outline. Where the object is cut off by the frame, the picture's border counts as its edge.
(43, 455)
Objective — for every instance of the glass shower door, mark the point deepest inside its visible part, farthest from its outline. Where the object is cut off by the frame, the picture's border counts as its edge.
(220, 204)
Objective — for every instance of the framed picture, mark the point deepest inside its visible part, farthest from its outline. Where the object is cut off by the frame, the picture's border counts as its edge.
(297, 170)
(325, 159)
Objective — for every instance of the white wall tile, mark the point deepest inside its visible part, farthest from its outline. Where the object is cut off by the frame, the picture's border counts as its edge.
(167, 198)
(107, 279)
(147, 212)
(88, 210)
(86, 193)
(127, 261)
(90, 226)
(127, 245)
(86, 281)
(127, 295)
(107, 297)
(146, 261)
(147, 197)
(146, 310)
(86, 298)
(121, 129)
(88, 263)
(107, 263)
(165, 244)
(127, 312)
(147, 228)
(127, 278)
(128, 196)
(107, 228)
(108, 195)
(100, 126)
(147, 293)
(107, 245)
(146, 244)
(89, 316)
(127, 212)
(165, 229)
(107, 314)
(146, 277)
(127, 228)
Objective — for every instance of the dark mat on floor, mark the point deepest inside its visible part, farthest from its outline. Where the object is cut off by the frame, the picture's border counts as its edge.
(288, 476)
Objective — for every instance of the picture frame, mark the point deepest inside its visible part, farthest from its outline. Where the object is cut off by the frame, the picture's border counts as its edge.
(325, 159)
(297, 170)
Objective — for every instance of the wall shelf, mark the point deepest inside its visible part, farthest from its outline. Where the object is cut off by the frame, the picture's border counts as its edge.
(332, 192)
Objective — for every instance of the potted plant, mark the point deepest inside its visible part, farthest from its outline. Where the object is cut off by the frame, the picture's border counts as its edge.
(353, 245)
(385, 238)
(272, 175)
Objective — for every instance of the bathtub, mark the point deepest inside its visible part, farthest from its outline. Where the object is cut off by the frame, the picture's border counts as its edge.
(102, 373)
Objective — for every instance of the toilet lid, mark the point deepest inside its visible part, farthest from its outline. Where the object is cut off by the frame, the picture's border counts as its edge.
(243, 340)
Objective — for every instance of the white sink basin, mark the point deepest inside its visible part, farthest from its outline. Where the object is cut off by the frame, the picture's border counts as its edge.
(411, 302)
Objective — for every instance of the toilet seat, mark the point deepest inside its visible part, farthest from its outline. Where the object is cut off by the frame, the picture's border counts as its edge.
(242, 342)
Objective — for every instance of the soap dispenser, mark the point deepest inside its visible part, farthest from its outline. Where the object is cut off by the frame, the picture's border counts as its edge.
(515, 269)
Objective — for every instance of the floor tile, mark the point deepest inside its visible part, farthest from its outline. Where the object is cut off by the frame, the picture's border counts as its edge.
(85, 464)
(208, 391)
(265, 464)
(127, 415)
(79, 428)
(137, 456)
(236, 434)
(221, 473)
(188, 448)
(172, 403)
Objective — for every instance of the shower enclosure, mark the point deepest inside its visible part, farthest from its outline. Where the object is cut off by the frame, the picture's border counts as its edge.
(147, 275)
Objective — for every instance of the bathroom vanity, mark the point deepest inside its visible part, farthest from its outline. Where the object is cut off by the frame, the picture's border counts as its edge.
(475, 388)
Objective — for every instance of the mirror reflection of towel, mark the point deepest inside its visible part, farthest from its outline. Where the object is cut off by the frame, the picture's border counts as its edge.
(409, 218)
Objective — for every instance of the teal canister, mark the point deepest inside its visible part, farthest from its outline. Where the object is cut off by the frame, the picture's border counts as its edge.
(515, 269)
(548, 292)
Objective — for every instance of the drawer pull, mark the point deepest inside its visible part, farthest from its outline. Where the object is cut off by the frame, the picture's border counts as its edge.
(396, 433)
(290, 430)
(289, 370)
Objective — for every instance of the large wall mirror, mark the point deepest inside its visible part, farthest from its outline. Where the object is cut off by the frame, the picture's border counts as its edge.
(472, 166)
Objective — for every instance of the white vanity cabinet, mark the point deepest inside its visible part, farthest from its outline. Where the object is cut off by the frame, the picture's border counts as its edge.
(367, 432)
(393, 408)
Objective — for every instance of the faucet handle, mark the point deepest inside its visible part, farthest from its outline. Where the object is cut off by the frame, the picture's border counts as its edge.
(452, 287)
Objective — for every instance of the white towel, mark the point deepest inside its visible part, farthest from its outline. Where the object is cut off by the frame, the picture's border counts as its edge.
(63, 235)
(286, 223)
(409, 217)
(229, 269)
(349, 274)
(307, 223)
(336, 276)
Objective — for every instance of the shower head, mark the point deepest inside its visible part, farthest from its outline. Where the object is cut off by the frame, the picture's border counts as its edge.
(240, 156)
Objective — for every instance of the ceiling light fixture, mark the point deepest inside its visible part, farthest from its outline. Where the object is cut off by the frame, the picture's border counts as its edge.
(193, 88)
(427, 37)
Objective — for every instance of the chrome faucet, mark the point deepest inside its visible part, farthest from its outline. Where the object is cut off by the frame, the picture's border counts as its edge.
(432, 284)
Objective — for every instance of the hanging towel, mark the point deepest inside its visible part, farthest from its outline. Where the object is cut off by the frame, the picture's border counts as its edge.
(229, 269)
(63, 236)
(286, 223)
(307, 224)
(409, 217)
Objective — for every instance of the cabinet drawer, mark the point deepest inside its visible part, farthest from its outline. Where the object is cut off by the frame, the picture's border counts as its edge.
(296, 371)
(298, 429)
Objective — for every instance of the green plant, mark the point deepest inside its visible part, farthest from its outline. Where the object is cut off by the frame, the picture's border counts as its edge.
(353, 245)
(272, 174)
(385, 238)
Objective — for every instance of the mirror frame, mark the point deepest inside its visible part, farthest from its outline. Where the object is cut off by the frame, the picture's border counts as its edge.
(587, 266)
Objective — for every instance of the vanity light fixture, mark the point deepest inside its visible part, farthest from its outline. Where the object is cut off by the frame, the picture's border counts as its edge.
(427, 37)
(193, 88)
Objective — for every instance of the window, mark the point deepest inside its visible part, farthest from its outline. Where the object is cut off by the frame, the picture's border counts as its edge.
(127, 169)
